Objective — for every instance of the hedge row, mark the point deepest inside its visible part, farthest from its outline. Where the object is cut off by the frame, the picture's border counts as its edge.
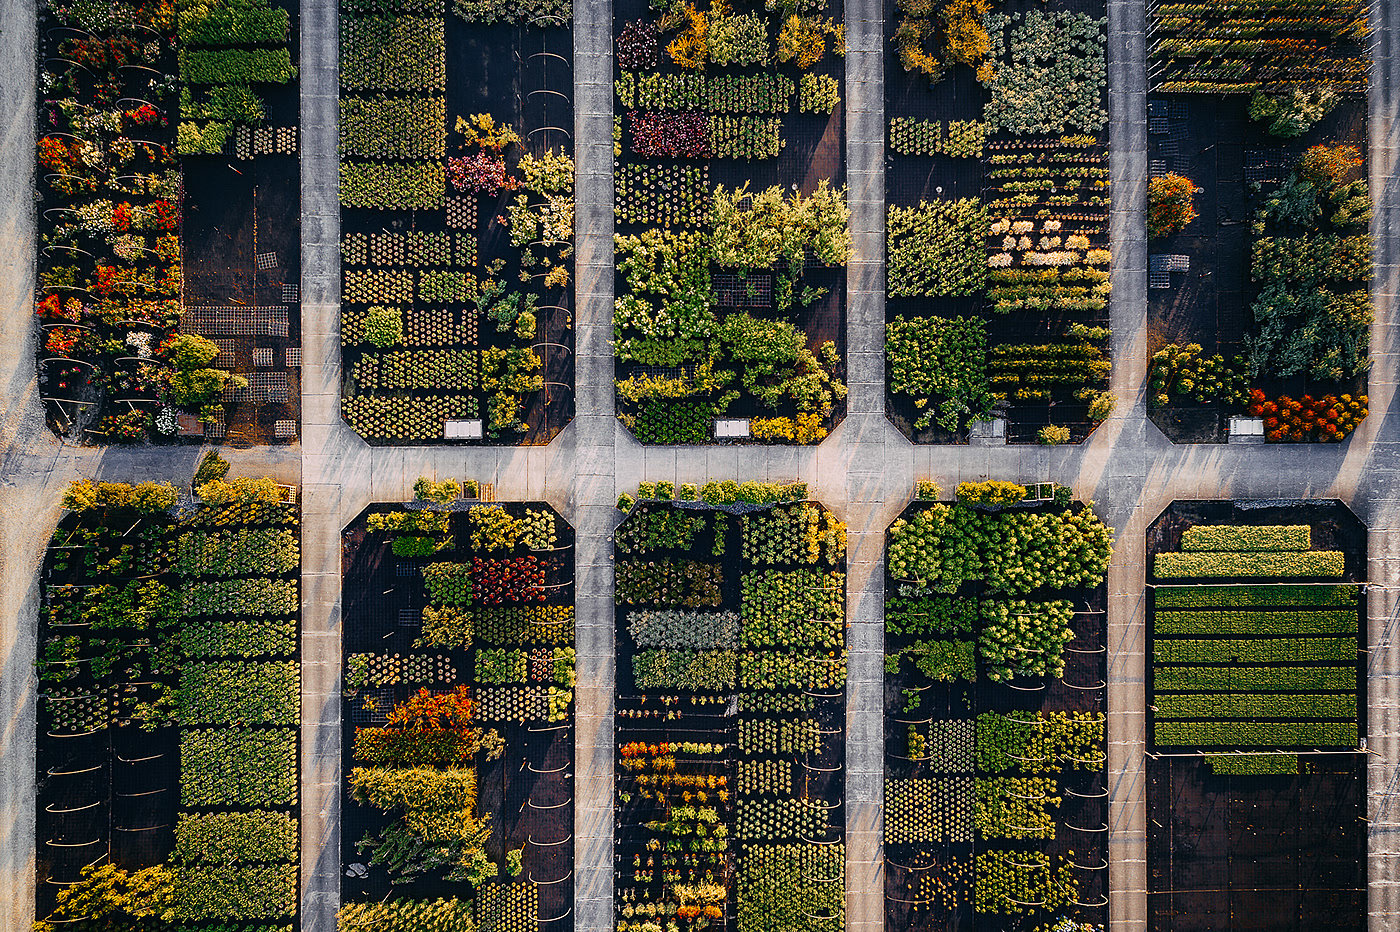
(237, 693)
(237, 66)
(1195, 565)
(214, 892)
(228, 837)
(1242, 650)
(1252, 765)
(1253, 679)
(1257, 624)
(1275, 537)
(382, 127)
(1256, 734)
(238, 767)
(392, 185)
(233, 637)
(1265, 596)
(1254, 705)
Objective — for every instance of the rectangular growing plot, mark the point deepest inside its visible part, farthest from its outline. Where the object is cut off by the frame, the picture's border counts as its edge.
(1259, 251)
(730, 711)
(169, 215)
(997, 187)
(457, 219)
(731, 220)
(1255, 715)
(996, 800)
(458, 715)
(170, 693)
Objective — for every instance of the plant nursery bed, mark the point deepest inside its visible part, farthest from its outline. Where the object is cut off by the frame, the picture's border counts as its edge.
(731, 220)
(457, 206)
(996, 803)
(1259, 255)
(459, 675)
(168, 282)
(997, 234)
(1256, 712)
(730, 723)
(169, 704)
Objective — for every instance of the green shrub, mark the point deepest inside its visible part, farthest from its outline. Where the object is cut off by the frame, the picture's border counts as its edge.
(1254, 596)
(393, 53)
(236, 66)
(937, 249)
(1222, 564)
(449, 583)
(1240, 650)
(440, 915)
(1255, 623)
(392, 185)
(780, 886)
(1013, 551)
(992, 494)
(240, 490)
(231, 837)
(1253, 705)
(209, 139)
(227, 103)
(1256, 734)
(1252, 765)
(383, 127)
(211, 466)
(929, 615)
(1292, 113)
(231, 22)
(942, 364)
(1247, 537)
(238, 767)
(686, 670)
(1020, 638)
(215, 892)
(238, 693)
(143, 498)
(1246, 679)
(240, 637)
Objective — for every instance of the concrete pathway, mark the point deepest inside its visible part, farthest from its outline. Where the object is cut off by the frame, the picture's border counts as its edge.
(865, 471)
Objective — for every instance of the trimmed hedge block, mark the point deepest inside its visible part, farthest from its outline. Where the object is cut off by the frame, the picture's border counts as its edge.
(1275, 537)
(1218, 564)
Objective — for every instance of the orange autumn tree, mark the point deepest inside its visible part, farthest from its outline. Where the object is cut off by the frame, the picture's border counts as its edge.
(1328, 166)
(1169, 205)
(429, 728)
(933, 36)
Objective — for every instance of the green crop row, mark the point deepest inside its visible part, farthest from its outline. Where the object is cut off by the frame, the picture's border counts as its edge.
(1252, 765)
(1193, 565)
(1257, 624)
(1254, 596)
(1253, 679)
(1242, 650)
(1255, 734)
(1275, 537)
(1254, 705)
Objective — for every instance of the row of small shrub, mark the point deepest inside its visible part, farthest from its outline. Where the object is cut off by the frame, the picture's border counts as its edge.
(1237, 678)
(1220, 564)
(1231, 537)
(1254, 596)
(1255, 623)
